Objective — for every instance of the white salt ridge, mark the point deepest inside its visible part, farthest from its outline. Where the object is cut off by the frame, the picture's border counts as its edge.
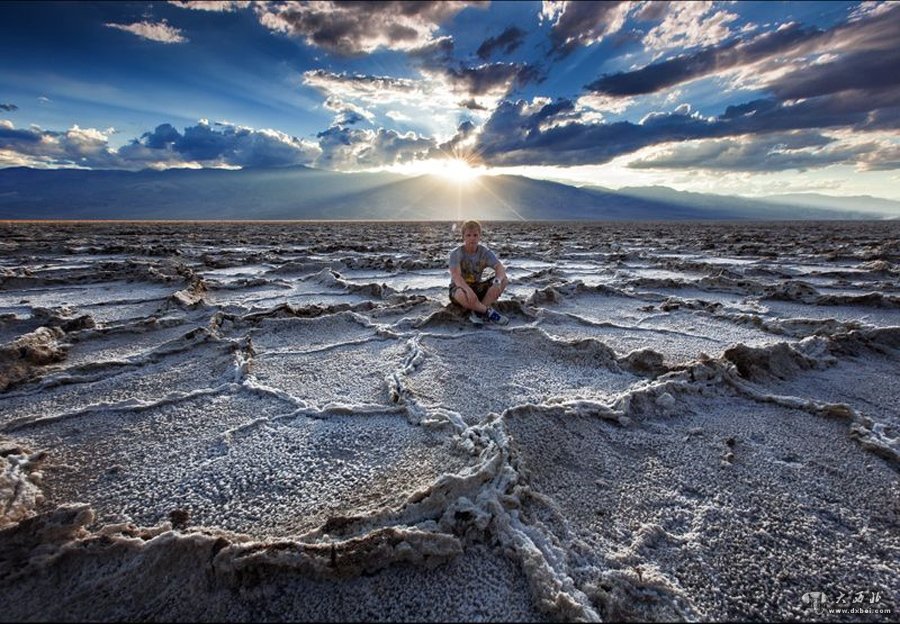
(312, 432)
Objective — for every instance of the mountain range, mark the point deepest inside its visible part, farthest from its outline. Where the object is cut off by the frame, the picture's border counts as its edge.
(304, 193)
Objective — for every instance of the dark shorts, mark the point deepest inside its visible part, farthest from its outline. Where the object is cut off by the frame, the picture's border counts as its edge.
(480, 288)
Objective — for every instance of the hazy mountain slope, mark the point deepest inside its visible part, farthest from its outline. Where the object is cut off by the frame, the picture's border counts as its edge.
(800, 206)
(854, 203)
(287, 193)
(303, 193)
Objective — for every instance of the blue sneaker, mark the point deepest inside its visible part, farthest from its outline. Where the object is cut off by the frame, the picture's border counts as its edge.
(495, 317)
(476, 318)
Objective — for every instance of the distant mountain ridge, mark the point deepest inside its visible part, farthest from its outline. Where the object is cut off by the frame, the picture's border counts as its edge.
(853, 202)
(304, 193)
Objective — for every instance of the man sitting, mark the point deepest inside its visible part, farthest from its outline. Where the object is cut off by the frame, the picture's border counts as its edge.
(467, 262)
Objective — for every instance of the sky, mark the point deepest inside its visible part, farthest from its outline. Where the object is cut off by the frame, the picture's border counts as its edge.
(745, 98)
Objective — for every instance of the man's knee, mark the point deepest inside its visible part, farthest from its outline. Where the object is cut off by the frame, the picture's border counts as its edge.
(463, 298)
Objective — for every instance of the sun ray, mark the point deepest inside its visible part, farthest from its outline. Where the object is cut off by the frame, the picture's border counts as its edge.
(500, 199)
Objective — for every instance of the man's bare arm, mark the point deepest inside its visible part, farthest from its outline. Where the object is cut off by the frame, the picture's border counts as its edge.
(500, 271)
(472, 301)
(457, 278)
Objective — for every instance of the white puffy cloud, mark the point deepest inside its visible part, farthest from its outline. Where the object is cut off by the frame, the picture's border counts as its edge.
(688, 25)
(604, 104)
(869, 8)
(75, 147)
(352, 149)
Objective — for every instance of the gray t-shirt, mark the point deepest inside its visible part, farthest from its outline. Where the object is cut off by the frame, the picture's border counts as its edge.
(471, 265)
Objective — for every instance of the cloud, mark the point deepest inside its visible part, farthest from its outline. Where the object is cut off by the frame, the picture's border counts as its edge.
(364, 94)
(650, 11)
(347, 113)
(219, 6)
(441, 90)
(869, 8)
(583, 23)
(688, 25)
(789, 61)
(479, 86)
(397, 116)
(869, 71)
(561, 133)
(159, 31)
(223, 145)
(508, 41)
(220, 145)
(772, 152)
(886, 157)
(494, 79)
(775, 152)
(9, 107)
(471, 104)
(373, 90)
(523, 133)
(10, 137)
(355, 28)
(436, 54)
(605, 104)
(460, 145)
(685, 68)
(84, 147)
(348, 149)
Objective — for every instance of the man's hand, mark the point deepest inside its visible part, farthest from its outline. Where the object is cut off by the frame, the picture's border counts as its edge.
(501, 278)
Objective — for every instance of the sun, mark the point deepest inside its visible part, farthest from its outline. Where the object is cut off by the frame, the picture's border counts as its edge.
(455, 169)
(451, 169)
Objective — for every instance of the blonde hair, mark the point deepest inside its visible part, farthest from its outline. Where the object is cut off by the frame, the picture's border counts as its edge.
(470, 225)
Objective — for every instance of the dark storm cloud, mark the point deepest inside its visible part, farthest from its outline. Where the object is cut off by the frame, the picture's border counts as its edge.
(870, 71)
(508, 41)
(471, 104)
(842, 79)
(865, 51)
(853, 109)
(518, 134)
(583, 23)
(490, 77)
(352, 28)
(224, 144)
(772, 152)
(438, 53)
(883, 119)
(9, 107)
(469, 82)
(11, 137)
(662, 75)
(218, 145)
(163, 136)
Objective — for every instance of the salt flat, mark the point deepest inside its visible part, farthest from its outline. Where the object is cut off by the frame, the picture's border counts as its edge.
(289, 422)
